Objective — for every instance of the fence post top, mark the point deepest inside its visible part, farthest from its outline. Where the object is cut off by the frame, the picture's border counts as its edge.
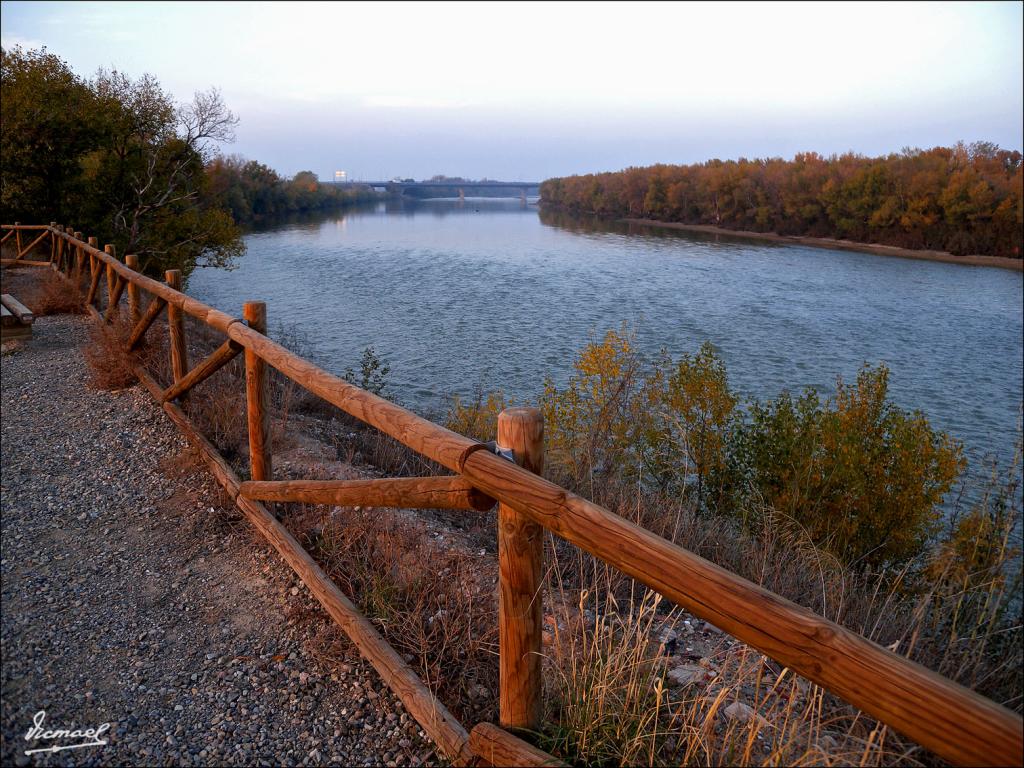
(521, 418)
(521, 413)
(521, 429)
(255, 314)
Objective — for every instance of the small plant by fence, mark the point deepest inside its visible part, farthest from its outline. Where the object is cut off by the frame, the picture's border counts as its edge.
(952, 721)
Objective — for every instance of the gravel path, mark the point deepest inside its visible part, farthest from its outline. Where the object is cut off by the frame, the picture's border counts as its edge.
(130, 596)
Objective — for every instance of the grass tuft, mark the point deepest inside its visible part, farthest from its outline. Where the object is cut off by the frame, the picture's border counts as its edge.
(110, 365)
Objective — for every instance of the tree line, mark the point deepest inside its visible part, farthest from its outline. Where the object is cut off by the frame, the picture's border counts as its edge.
(117, 157)
(253, 192)
(965, 199)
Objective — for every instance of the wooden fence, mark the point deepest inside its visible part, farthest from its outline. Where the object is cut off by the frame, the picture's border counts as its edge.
(949, 719)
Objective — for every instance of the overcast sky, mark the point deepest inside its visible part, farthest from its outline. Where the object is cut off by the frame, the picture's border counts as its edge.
(528, 91)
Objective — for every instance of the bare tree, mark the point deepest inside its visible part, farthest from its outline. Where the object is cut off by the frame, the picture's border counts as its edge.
(153, 169)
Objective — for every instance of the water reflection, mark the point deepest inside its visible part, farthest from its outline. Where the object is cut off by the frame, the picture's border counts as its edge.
(453, 293)
(585, 225)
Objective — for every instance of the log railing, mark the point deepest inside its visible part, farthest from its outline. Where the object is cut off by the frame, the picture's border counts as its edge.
(954, 722)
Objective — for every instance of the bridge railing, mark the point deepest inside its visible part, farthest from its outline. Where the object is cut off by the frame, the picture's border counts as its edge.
(954, 722)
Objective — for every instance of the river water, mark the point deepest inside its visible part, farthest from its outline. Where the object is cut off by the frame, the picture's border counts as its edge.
(455, 294)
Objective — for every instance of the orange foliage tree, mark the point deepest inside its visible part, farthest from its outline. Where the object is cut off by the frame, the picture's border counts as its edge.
(965, 199)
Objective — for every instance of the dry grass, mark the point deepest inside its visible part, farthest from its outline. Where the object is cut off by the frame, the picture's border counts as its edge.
(360, 444)
(610, 702)
(608, 699)
(435, 603)
(12, 347)
(50, 294)
(110, 365)
(217, 407)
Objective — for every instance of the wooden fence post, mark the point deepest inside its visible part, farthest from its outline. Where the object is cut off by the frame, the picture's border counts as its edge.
(257, 396)
(53, 241)
(17, 238)
(94, 272)
(132, 262)
(520, 565)
(64, 248)
(111, 274)
(176, 326)
(78, 258)
(61, 247)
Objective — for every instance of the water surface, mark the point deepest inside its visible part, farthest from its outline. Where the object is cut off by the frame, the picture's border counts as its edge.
(490, 291)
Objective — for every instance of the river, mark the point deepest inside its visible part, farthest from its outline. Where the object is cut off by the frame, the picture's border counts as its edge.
(492, 292)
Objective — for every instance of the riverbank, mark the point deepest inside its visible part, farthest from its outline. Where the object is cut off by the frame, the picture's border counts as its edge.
(844, 245)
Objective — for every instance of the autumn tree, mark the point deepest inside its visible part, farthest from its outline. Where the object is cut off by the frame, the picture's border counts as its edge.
(149, 178)
(116, 157)
(592, 424)
(46, 124)
(964, 199)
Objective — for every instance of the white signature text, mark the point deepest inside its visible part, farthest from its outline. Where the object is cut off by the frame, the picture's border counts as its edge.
(37, 732)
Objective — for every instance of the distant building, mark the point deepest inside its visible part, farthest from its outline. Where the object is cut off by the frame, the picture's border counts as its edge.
(340, 177)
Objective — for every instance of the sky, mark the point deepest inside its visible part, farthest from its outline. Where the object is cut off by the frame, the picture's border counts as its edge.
(524, 91)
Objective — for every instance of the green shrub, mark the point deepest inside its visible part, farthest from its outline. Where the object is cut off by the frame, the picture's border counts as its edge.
(373, 373)
(477, 417)
(863, 477)
(690, 422)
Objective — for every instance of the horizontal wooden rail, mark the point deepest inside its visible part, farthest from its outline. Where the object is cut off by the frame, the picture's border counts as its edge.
(197, 309)
(442, 445)
(23, 263)
(500, 748)
(402, 492)
(949, 719)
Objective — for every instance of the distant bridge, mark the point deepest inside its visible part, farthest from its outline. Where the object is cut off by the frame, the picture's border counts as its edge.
(396, 185)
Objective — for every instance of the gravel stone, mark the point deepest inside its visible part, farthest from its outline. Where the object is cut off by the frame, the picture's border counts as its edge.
(132, 596)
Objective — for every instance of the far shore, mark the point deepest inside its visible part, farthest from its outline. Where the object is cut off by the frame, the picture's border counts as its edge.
(846, 245)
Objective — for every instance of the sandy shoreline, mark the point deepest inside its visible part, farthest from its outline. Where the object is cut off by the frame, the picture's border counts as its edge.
(846, 245)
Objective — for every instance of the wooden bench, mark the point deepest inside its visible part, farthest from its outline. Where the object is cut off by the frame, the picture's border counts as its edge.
(15, 319)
